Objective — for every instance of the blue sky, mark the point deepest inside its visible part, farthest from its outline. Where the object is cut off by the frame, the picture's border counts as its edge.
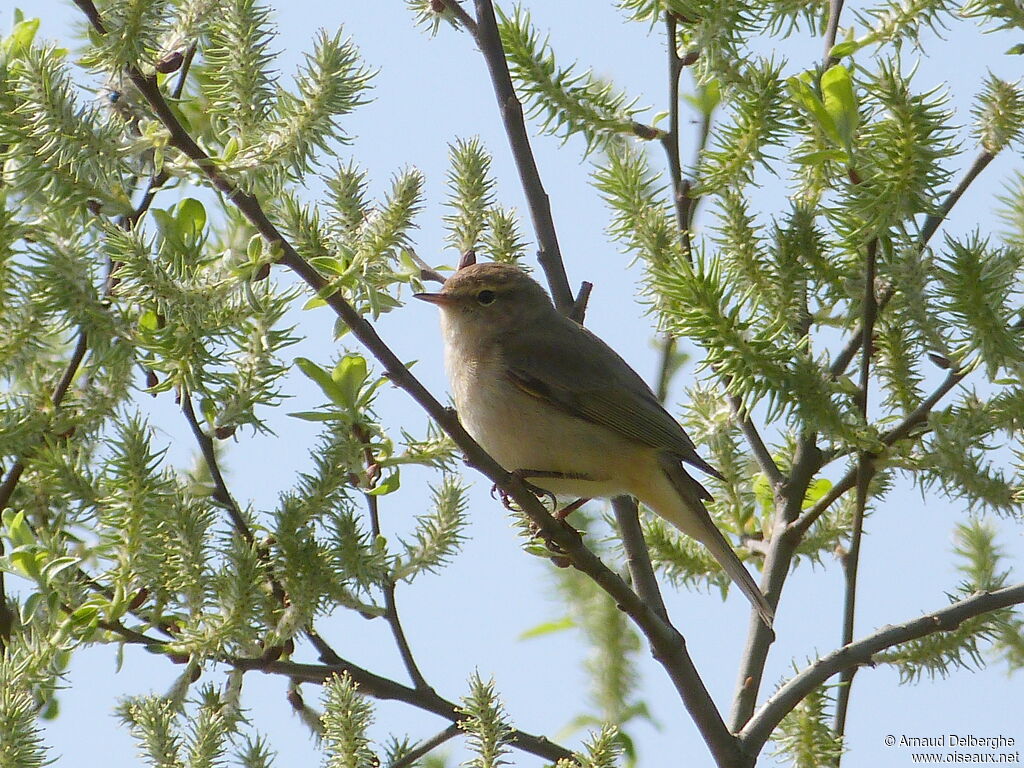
(427, 93)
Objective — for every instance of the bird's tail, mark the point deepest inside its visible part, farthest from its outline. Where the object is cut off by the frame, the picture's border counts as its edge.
(698, 524)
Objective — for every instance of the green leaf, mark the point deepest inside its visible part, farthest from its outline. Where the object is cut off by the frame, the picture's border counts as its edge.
(58, 565)
(763, 492)
(18, 530)
(317, 415)
(85, 615)
(841, 103)
(191, 218)
(349, 375)
(208, 407)
(803, 94)
(21, 36)
(816, 491)
(149, 321)
(388, 485)
(548, 628)
(845, 48)
(1016, 50)
(25, 564)
(323, 379)
(706, 99)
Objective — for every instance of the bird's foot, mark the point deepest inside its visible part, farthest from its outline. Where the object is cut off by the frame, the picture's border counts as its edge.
(537, 491)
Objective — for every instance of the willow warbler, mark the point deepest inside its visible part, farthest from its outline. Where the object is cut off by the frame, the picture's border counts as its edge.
(547, 398)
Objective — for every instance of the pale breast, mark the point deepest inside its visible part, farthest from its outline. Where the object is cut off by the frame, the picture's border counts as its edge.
(523, 432)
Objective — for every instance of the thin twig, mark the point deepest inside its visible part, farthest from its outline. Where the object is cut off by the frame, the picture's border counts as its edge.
(859, 653)
(386, 689)
(865, 471)
(757, 446)
(10, 482)
(391, 606)
(460, 13)
(776, 569)
(220, 494)
(59, 391)
(670, 141)
(426, 746)
(835, 8)
(549, 255)
(638, 557)
(665, 367)
(933, 222)
(668, 645)
(579, 306)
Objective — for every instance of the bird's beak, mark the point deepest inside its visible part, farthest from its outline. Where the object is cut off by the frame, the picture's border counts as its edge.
(441, 299)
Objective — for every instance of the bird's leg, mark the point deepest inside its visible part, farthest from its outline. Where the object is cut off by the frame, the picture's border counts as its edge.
(568, 509)
(537, 491)
(559, 514)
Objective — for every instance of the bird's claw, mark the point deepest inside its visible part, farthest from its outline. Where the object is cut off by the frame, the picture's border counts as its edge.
(540, 493)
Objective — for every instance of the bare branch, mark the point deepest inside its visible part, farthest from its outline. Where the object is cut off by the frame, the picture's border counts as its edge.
(859, 653)
(386, 689)
(550, 256)
(390, 605)
(427, 746)
(757, 446)
(865, 471)
(579, 306)
(220, 494)
(835, 8)
(776, 569)
(670, 141)
(426, 271)
(637, 556)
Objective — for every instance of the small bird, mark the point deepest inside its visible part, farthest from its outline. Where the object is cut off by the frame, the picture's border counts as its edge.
(548, 399)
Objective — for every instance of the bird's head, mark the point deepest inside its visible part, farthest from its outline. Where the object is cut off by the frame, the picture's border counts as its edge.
(493, 297)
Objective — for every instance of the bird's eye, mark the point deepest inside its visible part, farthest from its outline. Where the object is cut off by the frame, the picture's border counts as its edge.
(485, 297)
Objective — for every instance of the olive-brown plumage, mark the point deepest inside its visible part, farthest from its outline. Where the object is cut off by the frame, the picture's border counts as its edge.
(540, 392)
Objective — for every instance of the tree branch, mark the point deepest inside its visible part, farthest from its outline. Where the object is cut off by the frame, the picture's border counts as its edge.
(220, 494)
(460, 13)
(670, 141)
(579, 306)
(776, 569)
(390, 605)
(426, 746)
(865, 471)
(549, 255)
(59, 391)
(386, 689)
(14, 474)
(761, 726)
(757, 446)
(835, 8)
(638, 557)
